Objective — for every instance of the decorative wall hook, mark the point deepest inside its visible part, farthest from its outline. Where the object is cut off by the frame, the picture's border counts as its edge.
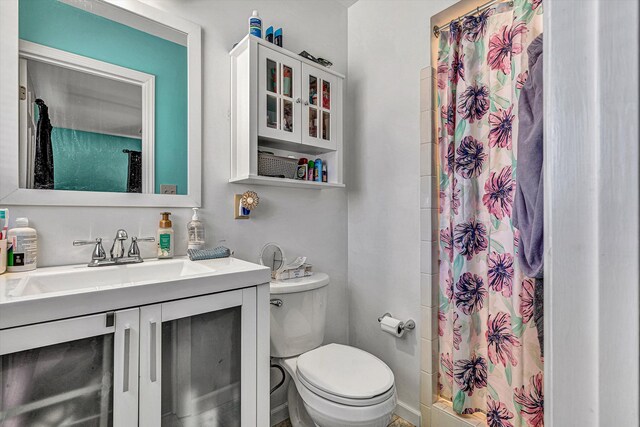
(244, 204)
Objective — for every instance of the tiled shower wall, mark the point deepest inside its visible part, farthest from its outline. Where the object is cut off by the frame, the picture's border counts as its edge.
(428, 252)
(435, 412)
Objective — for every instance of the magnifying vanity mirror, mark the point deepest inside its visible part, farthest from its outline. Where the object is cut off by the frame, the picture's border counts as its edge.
(272, 256)
(109, 104)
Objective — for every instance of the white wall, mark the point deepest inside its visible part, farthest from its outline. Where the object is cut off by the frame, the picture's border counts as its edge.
(305, 222)
(388, 46)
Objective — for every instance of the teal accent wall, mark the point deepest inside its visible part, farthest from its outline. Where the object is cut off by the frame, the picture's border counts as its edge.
(88, 161)
(64, 27)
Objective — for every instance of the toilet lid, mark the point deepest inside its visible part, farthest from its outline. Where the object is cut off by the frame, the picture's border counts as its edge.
(345, 371)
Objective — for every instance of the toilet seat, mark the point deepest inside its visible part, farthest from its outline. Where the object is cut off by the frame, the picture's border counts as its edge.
(346, 401)
(345, 375)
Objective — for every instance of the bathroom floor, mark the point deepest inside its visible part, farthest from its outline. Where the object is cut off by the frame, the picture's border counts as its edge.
(395, 422)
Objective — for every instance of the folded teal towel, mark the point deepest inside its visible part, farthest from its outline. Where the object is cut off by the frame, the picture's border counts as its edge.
(201, 254)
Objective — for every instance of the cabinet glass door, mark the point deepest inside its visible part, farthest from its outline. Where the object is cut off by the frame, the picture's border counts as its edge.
(80, 372)
(279, 96)
(193, 369)
(320, 109)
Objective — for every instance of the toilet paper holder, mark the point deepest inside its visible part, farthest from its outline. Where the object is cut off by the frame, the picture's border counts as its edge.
(405, 326)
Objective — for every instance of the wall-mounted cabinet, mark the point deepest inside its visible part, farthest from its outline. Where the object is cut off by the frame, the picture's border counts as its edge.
(287, 105)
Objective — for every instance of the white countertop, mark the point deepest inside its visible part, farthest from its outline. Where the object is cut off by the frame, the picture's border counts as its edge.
(19, 307)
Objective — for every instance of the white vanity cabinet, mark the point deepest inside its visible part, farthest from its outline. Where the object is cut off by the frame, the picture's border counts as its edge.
(199, 361)
(287, 105)
(80, 371)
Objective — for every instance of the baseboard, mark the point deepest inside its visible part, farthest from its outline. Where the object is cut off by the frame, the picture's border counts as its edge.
(408, 413)
(279, 414)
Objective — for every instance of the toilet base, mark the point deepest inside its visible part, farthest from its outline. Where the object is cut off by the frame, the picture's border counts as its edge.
(307, 409)
(298, 414)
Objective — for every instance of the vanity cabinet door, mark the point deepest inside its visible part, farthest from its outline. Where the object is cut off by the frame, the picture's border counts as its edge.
(80, 371)
(322, 103)
(198, 361)
(279, 101)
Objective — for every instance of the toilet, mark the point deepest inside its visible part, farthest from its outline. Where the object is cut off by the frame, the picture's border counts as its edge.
(331, 385)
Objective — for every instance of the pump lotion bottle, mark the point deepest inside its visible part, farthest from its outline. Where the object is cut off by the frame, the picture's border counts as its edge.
(195, 232)
(165, 237)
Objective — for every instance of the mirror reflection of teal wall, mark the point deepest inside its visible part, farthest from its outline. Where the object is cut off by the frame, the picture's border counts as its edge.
(55, 24)
(75, 151)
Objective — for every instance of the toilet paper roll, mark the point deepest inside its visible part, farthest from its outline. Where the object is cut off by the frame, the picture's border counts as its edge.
(391, 326)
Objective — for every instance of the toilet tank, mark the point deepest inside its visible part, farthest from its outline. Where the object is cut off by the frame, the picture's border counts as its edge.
(297, 325)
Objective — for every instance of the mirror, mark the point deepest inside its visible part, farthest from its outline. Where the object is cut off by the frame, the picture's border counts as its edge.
(81, 131)
(272, 256)
(109, 110)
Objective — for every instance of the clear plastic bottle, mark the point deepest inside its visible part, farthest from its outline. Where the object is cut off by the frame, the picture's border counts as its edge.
(195, 232)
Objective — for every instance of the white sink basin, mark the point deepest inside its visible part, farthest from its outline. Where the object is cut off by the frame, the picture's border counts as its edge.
(96, 278)
(61, 292)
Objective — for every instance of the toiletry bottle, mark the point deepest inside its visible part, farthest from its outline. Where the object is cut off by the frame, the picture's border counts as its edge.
(317, 176)
(278, 37)
(23, 247)
(269, 35)
(4, 223)
(165, 237)
(324, 172)
(195, 231)
(301, 172)
(255, 24)
(311, 170)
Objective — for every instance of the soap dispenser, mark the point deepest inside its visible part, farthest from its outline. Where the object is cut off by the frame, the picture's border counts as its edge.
(195, 232)
(165, 237)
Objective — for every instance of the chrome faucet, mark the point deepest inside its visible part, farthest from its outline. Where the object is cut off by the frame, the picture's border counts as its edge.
(117, 249)
(98, 255)
(117, 254)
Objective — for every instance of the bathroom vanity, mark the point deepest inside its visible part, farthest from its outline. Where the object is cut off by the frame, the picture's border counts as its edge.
(161, 343)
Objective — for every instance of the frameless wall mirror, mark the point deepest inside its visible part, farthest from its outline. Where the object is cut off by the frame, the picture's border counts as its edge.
(109, 104)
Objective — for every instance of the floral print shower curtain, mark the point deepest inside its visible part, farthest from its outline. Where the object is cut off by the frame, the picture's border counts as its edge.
(489, 353)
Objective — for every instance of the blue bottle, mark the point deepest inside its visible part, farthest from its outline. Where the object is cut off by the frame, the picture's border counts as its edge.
(317, 176)
(255, 24)
(278, 37)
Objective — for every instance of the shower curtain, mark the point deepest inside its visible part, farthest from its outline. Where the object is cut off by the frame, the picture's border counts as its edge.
(489, 353)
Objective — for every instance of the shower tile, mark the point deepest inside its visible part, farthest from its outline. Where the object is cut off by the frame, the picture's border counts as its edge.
(428, 322)
(425, 414)
(428, 257)
(429, 289)
(428, 225)
(425, 73)
(442, 412)
(427, 192)
(428, 385)
(426, 134)
(429, 355)
(425, 94)
(427, 151)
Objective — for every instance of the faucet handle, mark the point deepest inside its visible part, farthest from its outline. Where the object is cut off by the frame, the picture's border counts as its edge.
(134, 250)
(98, 250)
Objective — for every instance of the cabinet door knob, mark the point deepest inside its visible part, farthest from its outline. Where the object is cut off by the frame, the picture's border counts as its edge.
(298, 100)
(306, 102)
